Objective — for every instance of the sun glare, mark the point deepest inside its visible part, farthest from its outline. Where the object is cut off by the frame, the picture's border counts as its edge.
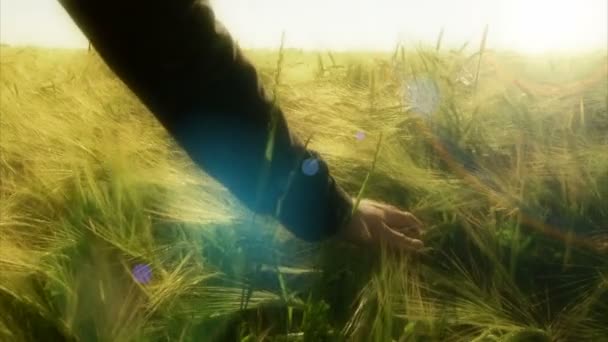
(530, 26)
(554, 25)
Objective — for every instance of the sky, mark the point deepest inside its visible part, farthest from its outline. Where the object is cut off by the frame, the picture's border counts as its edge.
(528, 26)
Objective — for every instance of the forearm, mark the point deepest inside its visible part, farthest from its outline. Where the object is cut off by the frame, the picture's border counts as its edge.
(186, 69)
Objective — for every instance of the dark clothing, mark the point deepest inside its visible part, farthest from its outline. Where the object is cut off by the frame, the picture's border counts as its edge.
(187, 70)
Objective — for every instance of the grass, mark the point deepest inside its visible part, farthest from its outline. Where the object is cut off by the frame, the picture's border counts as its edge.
(509, 170)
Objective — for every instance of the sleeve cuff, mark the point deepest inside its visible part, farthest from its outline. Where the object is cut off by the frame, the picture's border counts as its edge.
(314, 207)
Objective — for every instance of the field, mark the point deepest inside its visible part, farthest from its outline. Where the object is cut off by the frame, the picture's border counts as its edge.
(503, 157)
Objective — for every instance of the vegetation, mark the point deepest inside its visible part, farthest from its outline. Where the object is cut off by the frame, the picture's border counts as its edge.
(504, 157)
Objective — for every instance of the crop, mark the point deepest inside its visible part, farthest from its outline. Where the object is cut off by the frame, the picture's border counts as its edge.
(504, 157)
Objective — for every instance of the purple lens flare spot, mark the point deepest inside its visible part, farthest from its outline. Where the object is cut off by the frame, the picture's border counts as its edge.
(142, 273)
(360, 136)
(310, 166)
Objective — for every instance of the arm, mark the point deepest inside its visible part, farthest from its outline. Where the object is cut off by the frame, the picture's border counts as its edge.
(187, 70)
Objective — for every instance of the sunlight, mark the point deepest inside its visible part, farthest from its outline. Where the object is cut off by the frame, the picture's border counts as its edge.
(550, 25)
(526, 26)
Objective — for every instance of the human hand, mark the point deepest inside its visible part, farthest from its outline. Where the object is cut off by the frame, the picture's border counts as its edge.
(374, 223)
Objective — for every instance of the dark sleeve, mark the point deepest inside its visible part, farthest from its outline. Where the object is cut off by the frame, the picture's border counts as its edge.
(187, 70)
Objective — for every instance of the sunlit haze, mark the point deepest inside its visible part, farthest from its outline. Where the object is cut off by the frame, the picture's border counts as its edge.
(524, 25)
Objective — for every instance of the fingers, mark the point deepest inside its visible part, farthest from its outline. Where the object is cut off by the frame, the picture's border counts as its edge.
(399, 219)
(376, 223)
(412, 232)
(400, 240)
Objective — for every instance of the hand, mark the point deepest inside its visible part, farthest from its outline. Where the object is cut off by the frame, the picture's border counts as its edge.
(374, 223)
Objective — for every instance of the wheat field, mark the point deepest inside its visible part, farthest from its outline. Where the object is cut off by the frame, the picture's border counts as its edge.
(503, 157)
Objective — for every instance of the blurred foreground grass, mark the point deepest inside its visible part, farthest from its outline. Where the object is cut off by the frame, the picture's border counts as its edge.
(509, 172)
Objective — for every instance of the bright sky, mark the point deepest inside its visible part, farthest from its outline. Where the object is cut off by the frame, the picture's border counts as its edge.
(525, 25)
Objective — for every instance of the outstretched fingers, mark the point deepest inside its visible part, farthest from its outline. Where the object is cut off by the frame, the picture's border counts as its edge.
(400, 220)
(399, 240)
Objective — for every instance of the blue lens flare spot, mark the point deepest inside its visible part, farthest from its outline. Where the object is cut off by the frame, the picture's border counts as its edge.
(142, 273)
(360, 136)
(310, 166)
